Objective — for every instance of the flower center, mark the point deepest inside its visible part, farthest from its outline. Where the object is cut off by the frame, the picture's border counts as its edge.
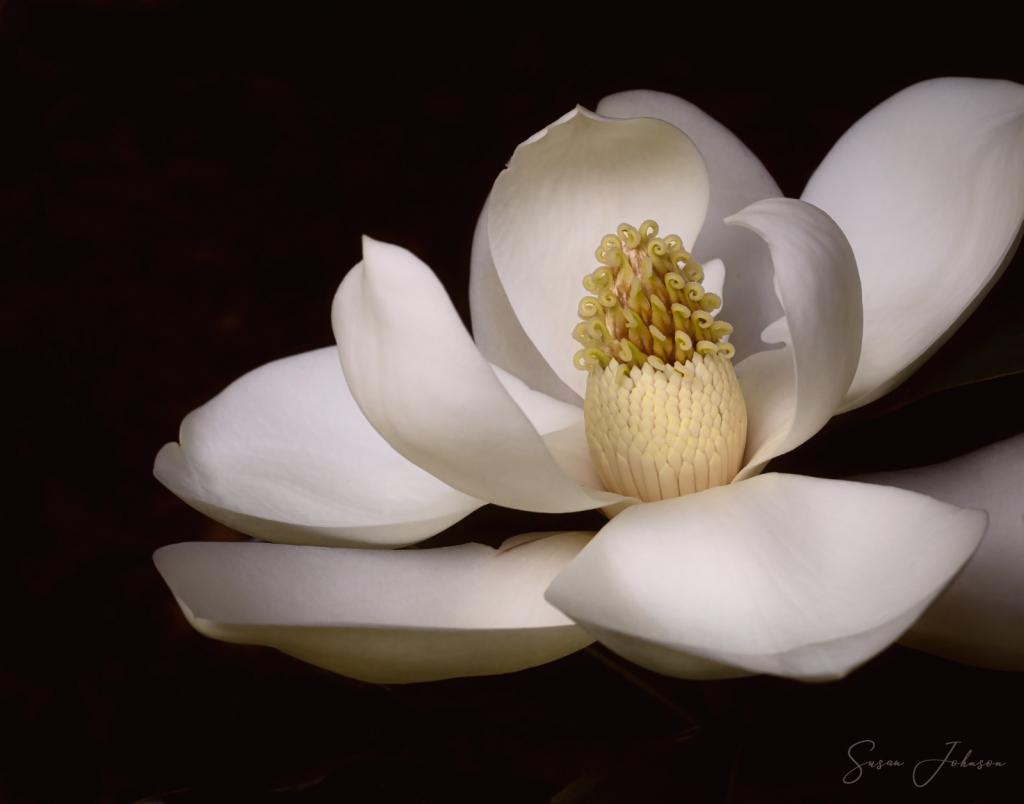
(663, 412)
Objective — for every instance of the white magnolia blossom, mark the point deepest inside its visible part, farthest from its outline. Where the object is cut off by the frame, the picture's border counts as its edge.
(901, 231)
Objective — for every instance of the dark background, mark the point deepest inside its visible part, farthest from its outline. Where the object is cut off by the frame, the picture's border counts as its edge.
(182, 187)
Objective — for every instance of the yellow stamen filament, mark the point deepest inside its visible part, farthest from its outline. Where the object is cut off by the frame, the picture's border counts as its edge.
(664, 414)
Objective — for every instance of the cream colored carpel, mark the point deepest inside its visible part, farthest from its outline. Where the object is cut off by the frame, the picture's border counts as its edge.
(663, 412)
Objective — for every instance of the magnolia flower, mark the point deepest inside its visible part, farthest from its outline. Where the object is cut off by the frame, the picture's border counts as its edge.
(707, 568)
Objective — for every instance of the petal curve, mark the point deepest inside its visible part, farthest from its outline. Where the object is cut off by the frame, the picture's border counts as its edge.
(565, 189)
(979, 619)
(737, 179)
(421, 382)
(545, 413)
(791, 392)
(929, 189)
(781, 574)
(284, 454)
(496, 330)
(384, 617)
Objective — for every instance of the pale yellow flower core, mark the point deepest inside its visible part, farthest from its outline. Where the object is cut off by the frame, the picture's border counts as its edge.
(664, 414)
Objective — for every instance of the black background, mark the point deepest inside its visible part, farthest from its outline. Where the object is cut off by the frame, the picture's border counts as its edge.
(183, 187)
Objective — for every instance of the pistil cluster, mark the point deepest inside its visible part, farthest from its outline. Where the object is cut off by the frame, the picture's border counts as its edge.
(649, 303)
(664, 414)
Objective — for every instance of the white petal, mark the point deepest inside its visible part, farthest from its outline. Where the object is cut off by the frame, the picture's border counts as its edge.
(570, 450)
(385, 617)
(284, 454)
(929, 189)
(496, 330)
(564, 190)
(816, 279)
(769, 387)
(979, 619)
(777, 332)
(737, 179)
(545, 413)
(781, 574)
(421, 382)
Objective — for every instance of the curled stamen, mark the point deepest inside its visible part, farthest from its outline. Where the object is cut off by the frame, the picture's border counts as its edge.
(686, 372)
(604, 277)
(581, 333)
(683, 341)
(648, 229)
(674, 242)
(692, 271)
(720, 329)
(656, 247)
(597, 357)
(598, 331)
(608, 256)
(681, 309)
(628, 353)
(693, 291)
(586, 359)
(657, 364)
(711, 301)
(674, 281)
(701, 318)
(608, 299)
(599, 280)
(726, 350)
(706, 348)
(635, 355)
(630, 236)
(588, 307)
